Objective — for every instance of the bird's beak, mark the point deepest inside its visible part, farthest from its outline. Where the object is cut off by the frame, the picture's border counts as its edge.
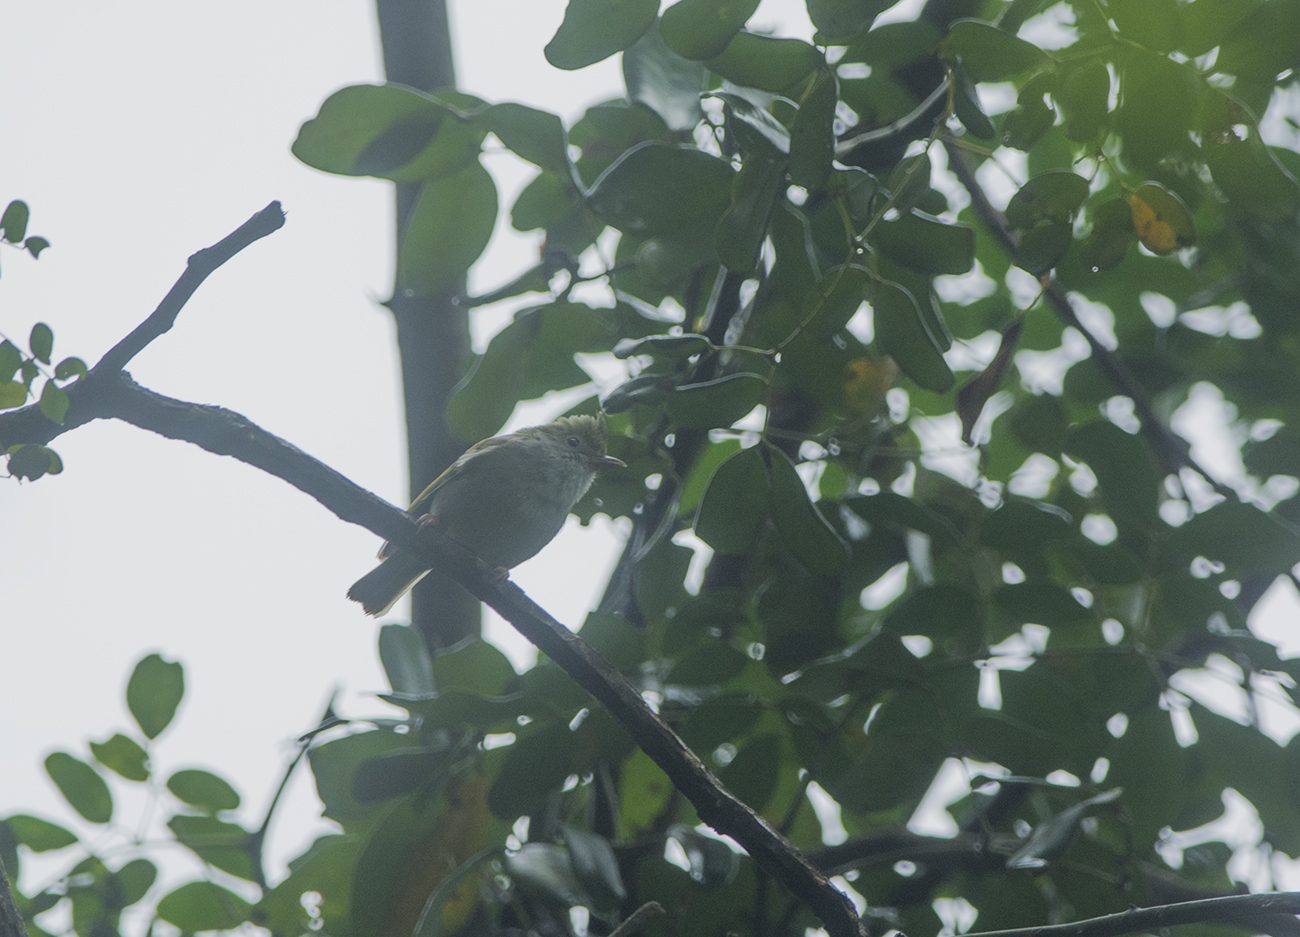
(609, 461)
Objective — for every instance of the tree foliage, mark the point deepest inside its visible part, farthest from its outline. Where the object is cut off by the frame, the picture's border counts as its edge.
(812, 243)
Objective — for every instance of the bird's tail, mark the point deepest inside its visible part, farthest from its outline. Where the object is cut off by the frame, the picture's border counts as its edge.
(378, 589)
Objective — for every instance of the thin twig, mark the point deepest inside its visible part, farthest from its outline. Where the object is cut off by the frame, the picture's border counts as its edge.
(1251, 912)
(1173, 452)
(267, 221)
(639, 919)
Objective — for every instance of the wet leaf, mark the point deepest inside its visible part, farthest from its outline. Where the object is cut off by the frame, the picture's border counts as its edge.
(1161, 220)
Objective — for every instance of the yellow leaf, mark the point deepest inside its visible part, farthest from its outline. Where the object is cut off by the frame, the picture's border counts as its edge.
(866, 383)
(1162, 221)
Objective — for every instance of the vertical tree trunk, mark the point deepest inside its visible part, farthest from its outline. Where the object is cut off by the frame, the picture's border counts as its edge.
(432, 331)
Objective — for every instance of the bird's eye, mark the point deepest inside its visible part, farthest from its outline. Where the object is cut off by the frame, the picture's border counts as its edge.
(573, 442)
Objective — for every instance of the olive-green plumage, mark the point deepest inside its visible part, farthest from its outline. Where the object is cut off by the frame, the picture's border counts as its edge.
(504, 499)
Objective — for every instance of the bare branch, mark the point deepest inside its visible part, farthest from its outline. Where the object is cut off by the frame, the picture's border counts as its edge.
(226, 433)
(201, 264)
(1254, 913)
(11, 922)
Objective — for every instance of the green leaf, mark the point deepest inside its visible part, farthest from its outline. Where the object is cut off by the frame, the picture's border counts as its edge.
(204, 790)
(989, 54)
(1157, 109)
(669, 347)
(546, 202)
(904, 336)
(910, 181)
(659, 189)
(841, 19)
(1263, 44)
(537, 136)
(734, 506)
(713, 863)
(1023, 526)
(54, 402)
(643, 793)
(1151, 23)
(41, 342)
(1040, 602)
(952, 616)
(664, 81)
(389, 131)
(124, 756)
(526, 359)
(69, 367)
(803, 529)
(766, 63)
(203, 906)
(39, 835)
(401, 772)
(716, 403)
(10, 360)
(812, 136)
(35, 245)
(966, 105)
(450, 226)
(701, 29)
(1127, 479)
(607, 131)
(1043, 246)
(1111, 237)
(1245, 170)
(1244, 538)
(13, 223)
(751, 124)
(1083, 94)
(743, 227)
(1051, 196)
(753, 774)
(153, 693)
(406, 660)
(1161, 220)
(1031, 117)
(477, 667)
(926, 244)
(835, 300)
(30, 461)
(595, 866)
(12, 394)
(224, 845)
(533, 767)
(81, 786)
(644, 389)
(593, 30)
(486, 396)
(134, 880)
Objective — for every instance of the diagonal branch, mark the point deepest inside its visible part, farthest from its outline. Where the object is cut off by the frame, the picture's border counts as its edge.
(1172, 452)
(223, 432)
(1254, 913)
(267, 221)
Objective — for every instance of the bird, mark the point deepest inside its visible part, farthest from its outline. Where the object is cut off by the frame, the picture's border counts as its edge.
(504, 500)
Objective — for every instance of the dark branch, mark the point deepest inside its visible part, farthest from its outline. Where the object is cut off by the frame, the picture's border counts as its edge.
(226, 433)
(266, 221)
(1256, 913)
(11, 922)
(1173, 452)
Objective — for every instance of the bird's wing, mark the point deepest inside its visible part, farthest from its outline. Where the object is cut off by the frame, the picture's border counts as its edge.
(473, 452)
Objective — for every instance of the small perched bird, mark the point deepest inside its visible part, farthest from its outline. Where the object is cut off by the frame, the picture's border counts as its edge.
(504, 499)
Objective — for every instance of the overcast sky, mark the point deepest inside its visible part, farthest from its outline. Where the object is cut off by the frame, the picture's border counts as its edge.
(140, 132)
